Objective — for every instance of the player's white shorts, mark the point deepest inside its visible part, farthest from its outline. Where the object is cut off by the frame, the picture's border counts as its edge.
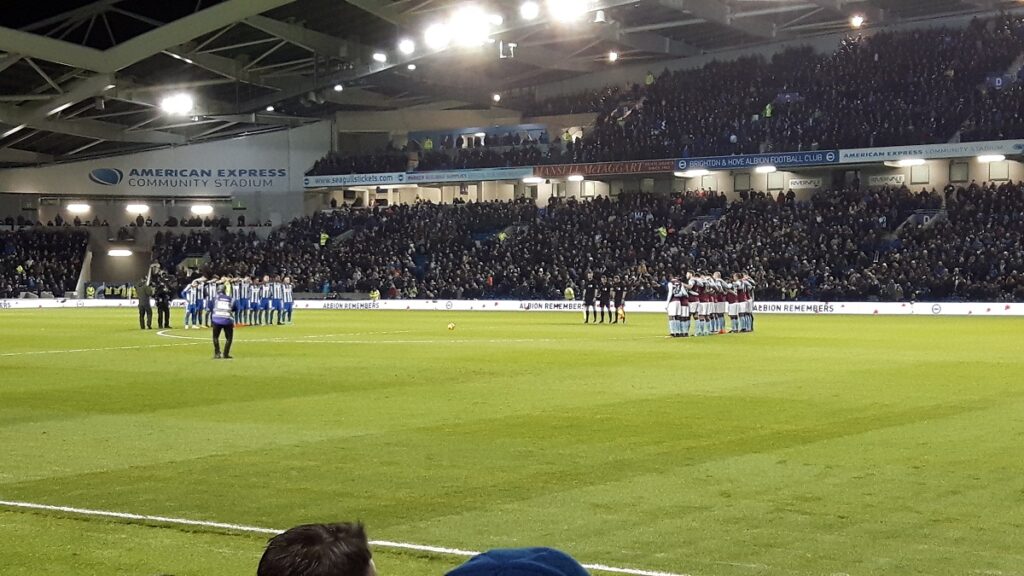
(722, 307)
(734, 308)
(746, 307)
(675, 308)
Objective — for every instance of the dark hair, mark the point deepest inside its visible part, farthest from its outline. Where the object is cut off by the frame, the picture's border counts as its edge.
(318, 550)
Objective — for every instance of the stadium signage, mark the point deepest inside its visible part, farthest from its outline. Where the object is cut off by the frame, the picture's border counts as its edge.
(190, 178)
(605, 168)
(413, 178)
(782, 159)
(935, 151)
(804, 183)
(354, 180)
(887, 180)
(472, 175)
(655, 307)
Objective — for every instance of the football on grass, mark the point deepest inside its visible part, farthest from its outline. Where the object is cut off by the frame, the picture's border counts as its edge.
(451, 325)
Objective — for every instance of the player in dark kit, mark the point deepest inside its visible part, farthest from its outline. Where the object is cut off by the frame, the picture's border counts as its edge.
(589, 297)
(604, 298)
(619, 299)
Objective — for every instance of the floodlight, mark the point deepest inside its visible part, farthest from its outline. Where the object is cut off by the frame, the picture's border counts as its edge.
(179, 104)
(202, 209)
(136, 208)
(119, 252)
(78, 208)
(437, 36)
(529, 10)
(576, 178)
(567, 11)
(986, 158)
(406, 46)
(765, 169)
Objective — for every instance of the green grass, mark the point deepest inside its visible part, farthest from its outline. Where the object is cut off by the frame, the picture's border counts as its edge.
(817, 445)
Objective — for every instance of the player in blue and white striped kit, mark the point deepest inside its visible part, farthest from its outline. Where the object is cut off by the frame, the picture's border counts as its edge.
(276, 300)
(289, 298)
(253, 300)
(210, 293)
(263, 317)
(192, 296)
(238, 295)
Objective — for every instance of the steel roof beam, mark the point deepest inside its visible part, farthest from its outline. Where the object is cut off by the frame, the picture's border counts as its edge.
(15, 156)
(716, 11)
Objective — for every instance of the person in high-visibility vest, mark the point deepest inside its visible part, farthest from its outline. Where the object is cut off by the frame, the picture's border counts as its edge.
(428, 144)
(569, 293)
(769, 110)
(374, 294)
(90, 292)
(324, 237)
(649, 79)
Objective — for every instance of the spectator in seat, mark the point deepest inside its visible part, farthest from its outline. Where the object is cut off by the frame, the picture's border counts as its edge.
(318, 550)
(521, 562)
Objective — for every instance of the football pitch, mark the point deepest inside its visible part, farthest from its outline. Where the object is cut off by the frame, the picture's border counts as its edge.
(816, 445)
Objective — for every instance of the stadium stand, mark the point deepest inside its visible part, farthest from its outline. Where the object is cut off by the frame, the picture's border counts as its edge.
(841, 245)
(39, 261)
(885, 89)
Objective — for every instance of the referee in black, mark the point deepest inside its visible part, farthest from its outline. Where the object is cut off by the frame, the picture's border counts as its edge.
(589, 297)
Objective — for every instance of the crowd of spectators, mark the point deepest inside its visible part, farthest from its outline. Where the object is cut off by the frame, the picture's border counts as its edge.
(840, 245)
(884, 89)
(40, 261)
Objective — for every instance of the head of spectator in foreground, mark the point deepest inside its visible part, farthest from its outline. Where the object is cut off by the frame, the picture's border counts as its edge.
(521, 562)
(319, 550)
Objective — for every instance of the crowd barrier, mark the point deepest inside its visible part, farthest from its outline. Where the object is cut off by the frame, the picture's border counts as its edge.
(812, 308)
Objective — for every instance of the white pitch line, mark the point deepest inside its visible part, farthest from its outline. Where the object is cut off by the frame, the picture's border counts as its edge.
(259, 530)
(73, 350)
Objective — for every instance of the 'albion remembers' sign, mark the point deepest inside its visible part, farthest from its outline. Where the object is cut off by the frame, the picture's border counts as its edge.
(605, 168)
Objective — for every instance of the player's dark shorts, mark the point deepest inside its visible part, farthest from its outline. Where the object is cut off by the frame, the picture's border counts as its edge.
(276, 303)
(605, 301)
(288, 305)
(265, 304)
(588, 301)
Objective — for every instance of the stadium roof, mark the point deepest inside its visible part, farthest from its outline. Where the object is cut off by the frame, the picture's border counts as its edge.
(81, 78)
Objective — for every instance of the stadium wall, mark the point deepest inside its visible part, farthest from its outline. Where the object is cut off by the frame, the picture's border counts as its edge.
(264, 173)
(987, 309)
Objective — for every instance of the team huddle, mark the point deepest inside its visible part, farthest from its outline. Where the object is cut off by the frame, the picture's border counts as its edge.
(707, 300)
(254, 302)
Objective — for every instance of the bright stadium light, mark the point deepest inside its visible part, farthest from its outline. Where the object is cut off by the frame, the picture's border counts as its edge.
(136, 208)
(857, 21)
(406, 46)
(613, 56)
(270, 108)
(380, 57)
(496, 19)
(567, 11)
(202, 209)
(437, 36)
(338, 87)
(496, 97)
(180, 104)
(78, 208)
(986, 158)
(765, 169)
(696, 173)
(529, 10)
(576, 178)
(533, 180)
(119, 252)
(471, 26)
(908, 162)
(410, 67)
